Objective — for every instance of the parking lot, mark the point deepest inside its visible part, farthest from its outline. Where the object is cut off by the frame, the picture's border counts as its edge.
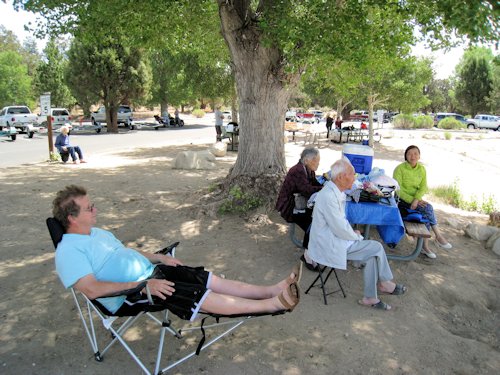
(35, 150)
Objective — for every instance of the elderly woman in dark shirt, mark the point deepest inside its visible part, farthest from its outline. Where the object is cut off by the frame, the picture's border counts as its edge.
(301, 179)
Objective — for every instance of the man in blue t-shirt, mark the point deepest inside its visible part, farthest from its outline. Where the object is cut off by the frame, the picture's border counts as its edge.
(97, 264)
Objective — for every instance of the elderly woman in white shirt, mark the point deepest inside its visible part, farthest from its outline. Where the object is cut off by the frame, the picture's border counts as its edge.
(333, 241)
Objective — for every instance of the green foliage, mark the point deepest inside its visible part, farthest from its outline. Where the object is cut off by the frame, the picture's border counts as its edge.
(451, 123)
(450, 194)
(8, 40)
(79, 72)
(107, 69)
(403, 121)
(406, 121)
(49, 77)
(475, 80)
(282, 39)
(239, 202)
(17, 64)
(15, 83)
(423, 122)
(169, 78)
(405, 88)
(55, 157)
(494, 98)
(447, 136)
(198, 113)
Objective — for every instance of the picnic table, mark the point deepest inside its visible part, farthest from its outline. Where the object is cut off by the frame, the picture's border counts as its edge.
(389, 224)
(385, 216)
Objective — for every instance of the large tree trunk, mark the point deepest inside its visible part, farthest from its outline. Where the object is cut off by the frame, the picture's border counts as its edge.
(163, 107)
(112, 117)
(373, 100)
(263, 90)
(341, 106)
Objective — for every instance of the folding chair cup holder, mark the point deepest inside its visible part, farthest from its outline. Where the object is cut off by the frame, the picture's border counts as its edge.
(92, 310)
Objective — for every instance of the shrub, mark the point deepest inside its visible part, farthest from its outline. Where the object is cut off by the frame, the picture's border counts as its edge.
(423, 122)
(239, 201)
(450, 194)
(450, 123)
(198, 113)
(55, 157)
(403, 121)
(447, 135)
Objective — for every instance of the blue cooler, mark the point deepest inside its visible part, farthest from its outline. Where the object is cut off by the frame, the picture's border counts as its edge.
(361, 157)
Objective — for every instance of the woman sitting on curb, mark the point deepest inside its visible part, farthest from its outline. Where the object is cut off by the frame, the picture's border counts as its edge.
(63, 146)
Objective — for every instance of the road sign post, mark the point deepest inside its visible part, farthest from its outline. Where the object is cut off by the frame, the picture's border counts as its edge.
(45, 111)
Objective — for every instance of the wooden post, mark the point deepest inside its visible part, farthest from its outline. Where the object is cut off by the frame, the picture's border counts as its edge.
(49, 134)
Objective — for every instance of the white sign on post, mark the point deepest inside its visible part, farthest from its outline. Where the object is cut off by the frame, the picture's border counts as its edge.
(45, 104)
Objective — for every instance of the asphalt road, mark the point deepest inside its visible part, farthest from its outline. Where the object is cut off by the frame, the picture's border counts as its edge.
(35, 150)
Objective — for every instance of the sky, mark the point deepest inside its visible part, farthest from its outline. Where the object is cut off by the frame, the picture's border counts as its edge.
(444, 61)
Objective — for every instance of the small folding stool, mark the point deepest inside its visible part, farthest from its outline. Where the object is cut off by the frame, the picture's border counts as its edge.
(321, 280)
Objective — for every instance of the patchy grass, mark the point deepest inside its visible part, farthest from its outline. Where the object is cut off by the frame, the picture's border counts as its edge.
(450, 194)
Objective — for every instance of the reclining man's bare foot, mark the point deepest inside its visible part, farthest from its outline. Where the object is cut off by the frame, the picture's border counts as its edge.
(289, 298)
(294, 277)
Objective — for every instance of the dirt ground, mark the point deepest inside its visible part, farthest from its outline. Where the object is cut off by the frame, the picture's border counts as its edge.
(447, 323)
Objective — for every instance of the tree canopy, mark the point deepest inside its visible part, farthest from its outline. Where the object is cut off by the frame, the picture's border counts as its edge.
(270, 45)
(475, 80)
(17, 65)
(109, 70)
(50, 76)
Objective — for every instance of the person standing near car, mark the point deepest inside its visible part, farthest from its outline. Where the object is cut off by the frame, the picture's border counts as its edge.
(338, 122)
(177, 118)
(329, 123)
(62, 144)
(218, 123)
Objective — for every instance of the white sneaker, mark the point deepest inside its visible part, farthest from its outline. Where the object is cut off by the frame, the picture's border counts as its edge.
(429, 254)
(447, 245)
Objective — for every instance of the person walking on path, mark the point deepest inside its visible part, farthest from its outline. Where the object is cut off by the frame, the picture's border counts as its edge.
(219, 117)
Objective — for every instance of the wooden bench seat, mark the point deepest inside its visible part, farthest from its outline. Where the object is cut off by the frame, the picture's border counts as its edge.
(417, 230)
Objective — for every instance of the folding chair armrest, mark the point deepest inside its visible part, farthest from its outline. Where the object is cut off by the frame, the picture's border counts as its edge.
(169, 249)
(128, 292)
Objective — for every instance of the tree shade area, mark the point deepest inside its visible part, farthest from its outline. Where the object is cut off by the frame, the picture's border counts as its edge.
(269, 46)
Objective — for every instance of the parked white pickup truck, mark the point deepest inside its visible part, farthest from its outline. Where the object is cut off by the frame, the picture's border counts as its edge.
(21, 118)
(484, 121)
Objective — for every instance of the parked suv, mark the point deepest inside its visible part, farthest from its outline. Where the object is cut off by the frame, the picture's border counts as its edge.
(125, 115)
(441, 115)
